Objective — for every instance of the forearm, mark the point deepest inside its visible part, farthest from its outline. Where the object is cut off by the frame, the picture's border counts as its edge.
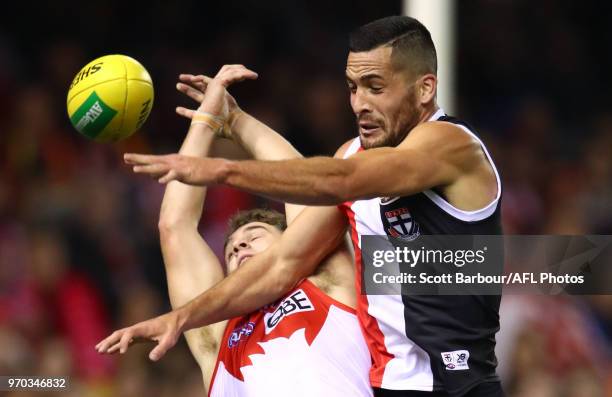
(191, 267)
(182, 204)
(247, 289)
(262, 142)
(312, 181)
(267, 276)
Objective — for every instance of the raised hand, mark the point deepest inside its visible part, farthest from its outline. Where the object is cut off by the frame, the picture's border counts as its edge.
(186, 169)
(212, 94)
(165, 330)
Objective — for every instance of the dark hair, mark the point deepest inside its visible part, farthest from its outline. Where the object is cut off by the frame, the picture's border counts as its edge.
(241, 218)
(410, 40)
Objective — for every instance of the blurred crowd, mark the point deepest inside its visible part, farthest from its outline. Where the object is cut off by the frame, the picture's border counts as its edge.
(79, 250)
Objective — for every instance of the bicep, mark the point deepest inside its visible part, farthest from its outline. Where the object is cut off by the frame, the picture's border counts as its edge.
(397, 172)
(429, 157)
(191, 266)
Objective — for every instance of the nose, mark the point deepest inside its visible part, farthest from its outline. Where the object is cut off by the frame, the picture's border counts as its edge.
(240, 244)
(359, 102)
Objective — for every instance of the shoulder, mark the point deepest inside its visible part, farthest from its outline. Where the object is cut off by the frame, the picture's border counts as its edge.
(343, 149)
(445, 140)
(439, 133)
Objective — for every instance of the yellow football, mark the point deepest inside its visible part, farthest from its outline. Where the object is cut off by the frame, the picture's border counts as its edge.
(110, 98)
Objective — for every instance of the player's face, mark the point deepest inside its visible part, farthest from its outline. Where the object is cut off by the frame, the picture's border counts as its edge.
(382, 97)
(248, 241)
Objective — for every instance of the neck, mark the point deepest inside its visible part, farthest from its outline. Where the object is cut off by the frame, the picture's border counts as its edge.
(428, 112)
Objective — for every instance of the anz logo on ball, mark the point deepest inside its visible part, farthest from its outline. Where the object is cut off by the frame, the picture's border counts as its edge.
(397, 220)
(295, 303)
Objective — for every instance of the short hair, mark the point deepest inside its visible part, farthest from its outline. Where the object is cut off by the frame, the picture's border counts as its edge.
(264, 215)
(409, 39)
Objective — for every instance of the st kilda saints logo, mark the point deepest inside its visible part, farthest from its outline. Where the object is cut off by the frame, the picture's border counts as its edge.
(397, 219)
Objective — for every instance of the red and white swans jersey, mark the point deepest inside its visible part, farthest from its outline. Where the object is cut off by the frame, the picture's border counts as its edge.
(306, 344)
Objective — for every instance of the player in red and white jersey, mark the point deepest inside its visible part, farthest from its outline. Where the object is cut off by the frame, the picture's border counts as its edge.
(308, 342)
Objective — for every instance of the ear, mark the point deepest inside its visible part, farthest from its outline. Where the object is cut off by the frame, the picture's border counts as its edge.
(427, 88)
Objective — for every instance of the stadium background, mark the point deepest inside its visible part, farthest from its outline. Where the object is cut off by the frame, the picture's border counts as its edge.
(79, 252)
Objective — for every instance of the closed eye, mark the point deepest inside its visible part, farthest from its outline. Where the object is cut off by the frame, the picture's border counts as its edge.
(351, 85)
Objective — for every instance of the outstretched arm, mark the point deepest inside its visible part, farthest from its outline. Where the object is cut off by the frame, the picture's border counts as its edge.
(261, 280)
(433, 154)
(191, 266)
(259, 140)
(267, 276)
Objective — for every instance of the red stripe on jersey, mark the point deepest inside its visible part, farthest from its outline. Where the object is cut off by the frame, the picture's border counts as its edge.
(369, 326)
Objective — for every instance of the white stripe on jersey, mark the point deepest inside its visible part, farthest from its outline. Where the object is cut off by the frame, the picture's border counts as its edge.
(467, 216)
(410, 368)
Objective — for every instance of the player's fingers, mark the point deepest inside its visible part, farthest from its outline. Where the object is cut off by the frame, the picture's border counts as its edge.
(200, 86)
(139, 339)
(187, 113)
(154, 170)
(236, 74)
(190, 78)
(103, 345)
(117, 346)
(223, 69)
(135, 158)
(201, 78)
(227, 69)
(124, 343)
(200, 81)
(169, 176)
(232, 68)
(158, 352)
(191, 92)
(114, 348)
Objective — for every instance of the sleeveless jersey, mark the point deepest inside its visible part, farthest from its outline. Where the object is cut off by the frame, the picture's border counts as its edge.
(306, 344)
(426, 342)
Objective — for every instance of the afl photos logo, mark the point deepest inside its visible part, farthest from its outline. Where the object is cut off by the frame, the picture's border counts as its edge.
(397, 220)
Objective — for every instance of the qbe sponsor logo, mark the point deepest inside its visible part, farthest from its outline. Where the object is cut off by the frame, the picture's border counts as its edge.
(294, 303)
(456, 360)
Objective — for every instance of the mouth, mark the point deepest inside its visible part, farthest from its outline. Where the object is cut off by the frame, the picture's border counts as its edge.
(243, 259)
(367, 128)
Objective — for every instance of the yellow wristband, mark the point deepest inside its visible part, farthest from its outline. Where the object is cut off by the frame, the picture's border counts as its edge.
(214, 122)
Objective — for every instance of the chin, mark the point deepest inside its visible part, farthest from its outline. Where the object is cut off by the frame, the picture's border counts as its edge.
(374, 142)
